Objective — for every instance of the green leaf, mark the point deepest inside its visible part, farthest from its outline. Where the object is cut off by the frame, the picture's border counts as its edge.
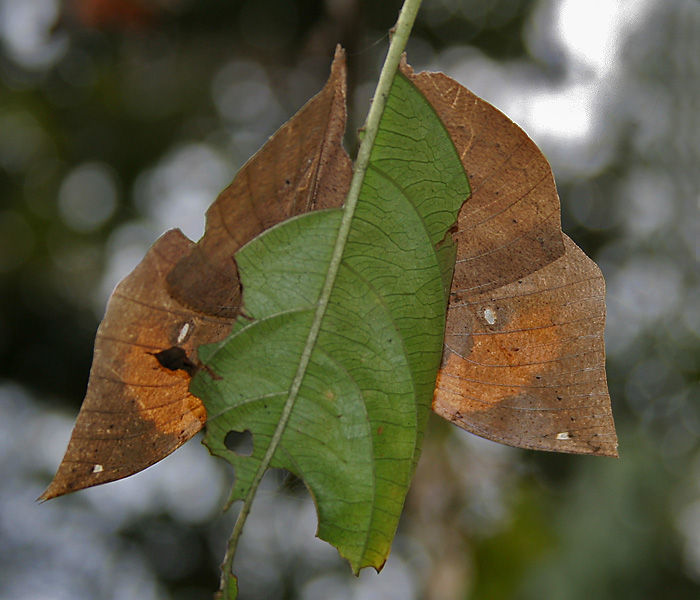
(352, 382)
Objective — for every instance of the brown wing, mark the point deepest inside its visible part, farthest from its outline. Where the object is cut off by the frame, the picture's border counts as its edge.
(137, 411)
(301, 168)
(137, 408)
(511, 224)
(524, 364)
(524, 360)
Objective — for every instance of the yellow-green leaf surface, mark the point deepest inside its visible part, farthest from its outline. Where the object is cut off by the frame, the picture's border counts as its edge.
(354, 393)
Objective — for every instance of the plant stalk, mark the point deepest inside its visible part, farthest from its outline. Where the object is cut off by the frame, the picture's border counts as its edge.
(401, 32)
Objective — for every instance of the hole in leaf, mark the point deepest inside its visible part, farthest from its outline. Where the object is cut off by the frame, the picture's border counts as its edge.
(240, 442)
(291, 484)
(286, 482)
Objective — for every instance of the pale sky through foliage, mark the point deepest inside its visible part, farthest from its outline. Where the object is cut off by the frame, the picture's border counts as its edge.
(591, 34)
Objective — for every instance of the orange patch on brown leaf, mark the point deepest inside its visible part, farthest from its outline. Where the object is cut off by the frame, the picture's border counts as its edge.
(524, 359)
(138, 408)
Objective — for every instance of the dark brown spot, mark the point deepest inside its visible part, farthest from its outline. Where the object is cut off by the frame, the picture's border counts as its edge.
(174, 359)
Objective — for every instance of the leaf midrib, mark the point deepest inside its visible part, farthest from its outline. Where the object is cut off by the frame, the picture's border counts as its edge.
(374, 116)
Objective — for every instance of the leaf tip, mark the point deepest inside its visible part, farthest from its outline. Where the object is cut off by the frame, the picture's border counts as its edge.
(55, 489)
(338, 67)
(611, 451)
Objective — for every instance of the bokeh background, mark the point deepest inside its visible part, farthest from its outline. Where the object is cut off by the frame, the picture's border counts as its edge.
(120, 119)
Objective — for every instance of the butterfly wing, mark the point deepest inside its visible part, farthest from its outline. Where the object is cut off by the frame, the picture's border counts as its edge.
(524, 358)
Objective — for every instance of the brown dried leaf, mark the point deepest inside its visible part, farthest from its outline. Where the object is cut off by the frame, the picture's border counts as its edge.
(524, 360)
(524, 364)
(524, 356)
(138, 409)
(303, 167)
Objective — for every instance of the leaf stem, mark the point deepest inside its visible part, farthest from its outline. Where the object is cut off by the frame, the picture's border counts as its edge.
(401, 32)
